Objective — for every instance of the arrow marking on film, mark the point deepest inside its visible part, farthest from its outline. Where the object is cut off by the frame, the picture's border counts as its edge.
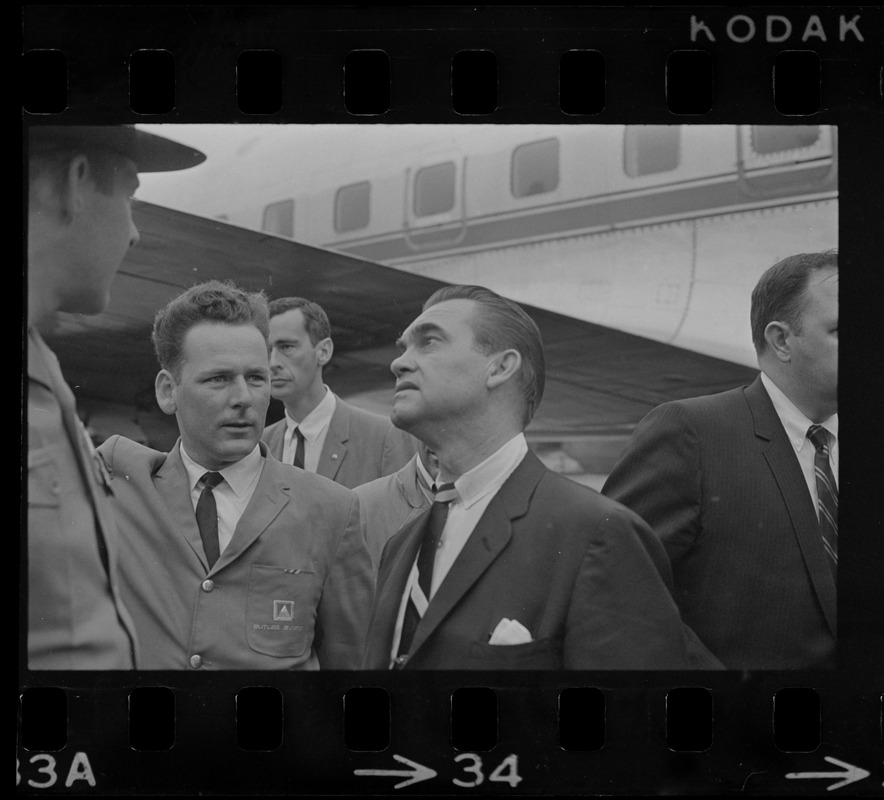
(416, 774)
(851, 774)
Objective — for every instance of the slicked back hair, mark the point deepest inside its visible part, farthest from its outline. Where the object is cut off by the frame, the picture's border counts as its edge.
(315, 319)
(212, 301)
(781, 292)
(500, 324)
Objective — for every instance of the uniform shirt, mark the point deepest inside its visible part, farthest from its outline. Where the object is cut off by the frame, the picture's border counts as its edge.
(314, 427)
(796, 424)
(475, 491)
(76, 619)
(232, 495)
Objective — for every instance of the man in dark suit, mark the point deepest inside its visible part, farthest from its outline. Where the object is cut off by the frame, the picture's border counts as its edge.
(230, 559)
(514, 566)
(744, 501)
(320, 432)
(80, 227)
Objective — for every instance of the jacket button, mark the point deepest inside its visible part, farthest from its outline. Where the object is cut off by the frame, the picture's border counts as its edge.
(196, 662)
(208, 585)
(399, 661)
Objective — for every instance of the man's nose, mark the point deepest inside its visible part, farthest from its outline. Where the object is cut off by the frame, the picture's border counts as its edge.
(400, 364)
(239, 393)
(134, 236)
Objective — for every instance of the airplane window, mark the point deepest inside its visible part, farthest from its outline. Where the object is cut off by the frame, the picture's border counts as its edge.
(352, 206)
(650, 148)
(434, 189)
(279, 218)
(535, 168)
(767, 139)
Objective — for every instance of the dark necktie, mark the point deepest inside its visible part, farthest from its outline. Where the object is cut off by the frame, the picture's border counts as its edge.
(827, 492)
(207, 517)
(299, 450)
(419, 598)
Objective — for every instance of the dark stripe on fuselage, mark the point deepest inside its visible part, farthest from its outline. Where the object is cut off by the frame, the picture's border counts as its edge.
(594, 215)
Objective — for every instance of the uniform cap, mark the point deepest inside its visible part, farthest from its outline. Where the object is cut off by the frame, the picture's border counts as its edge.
(151, 153)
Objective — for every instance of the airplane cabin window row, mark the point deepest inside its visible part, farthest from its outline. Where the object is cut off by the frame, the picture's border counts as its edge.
(534, 170)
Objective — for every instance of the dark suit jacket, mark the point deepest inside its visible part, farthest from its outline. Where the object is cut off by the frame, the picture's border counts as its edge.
(388, 503)
(290, 591)
(582, 573)
(359, 446)
(718, 480)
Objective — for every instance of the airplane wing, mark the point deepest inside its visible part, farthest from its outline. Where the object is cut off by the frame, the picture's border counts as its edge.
(598, 380)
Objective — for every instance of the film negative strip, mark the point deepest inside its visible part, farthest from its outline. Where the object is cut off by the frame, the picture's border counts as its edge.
(811, 76)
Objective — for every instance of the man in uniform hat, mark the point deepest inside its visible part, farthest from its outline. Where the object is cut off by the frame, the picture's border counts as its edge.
(80, 227)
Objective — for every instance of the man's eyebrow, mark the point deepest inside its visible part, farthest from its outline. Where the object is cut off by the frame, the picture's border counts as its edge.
(426, 327)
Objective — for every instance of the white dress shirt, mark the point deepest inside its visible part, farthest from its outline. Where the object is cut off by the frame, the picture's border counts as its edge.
(475, 491)
(314, 427)
(796, 425)
(232, 495)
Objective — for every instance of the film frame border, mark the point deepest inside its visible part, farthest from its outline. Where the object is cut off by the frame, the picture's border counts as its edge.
(528, 43)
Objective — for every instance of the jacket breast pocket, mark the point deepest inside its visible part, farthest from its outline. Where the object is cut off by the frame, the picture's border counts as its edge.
(281, 610)
(44, 485)
(539, 654)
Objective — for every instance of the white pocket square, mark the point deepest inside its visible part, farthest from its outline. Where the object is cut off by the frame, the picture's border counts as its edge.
(510, 631)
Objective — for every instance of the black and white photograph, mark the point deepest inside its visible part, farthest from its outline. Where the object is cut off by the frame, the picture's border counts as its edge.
(426, 408)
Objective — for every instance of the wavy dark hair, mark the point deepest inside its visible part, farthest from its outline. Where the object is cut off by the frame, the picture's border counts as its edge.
(212, 301)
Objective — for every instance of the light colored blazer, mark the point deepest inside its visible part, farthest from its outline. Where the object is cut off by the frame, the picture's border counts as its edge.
(76, 617)
(719, 482)
(359, 446)
(582, 573)
(388, 503)
(290, 591)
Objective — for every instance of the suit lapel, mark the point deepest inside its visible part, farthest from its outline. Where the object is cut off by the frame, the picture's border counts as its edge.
(173, 484)
(396, 563)
(335, 447)
(780, 456)
(488, 539)
(274, 438)
(272, 494)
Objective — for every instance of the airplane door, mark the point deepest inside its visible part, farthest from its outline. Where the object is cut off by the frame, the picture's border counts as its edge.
(435, 201)
(775, 160)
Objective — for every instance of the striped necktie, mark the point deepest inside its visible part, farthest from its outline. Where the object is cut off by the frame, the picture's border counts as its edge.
(419, 598)
(827, 492)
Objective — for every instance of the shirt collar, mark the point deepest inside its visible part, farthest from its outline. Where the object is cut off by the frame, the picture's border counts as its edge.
(239, 476)
(794, 421)
(490, 475)
(424, 476)
(316, 421)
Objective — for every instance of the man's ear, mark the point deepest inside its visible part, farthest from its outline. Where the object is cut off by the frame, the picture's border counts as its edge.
(503, 367)
(778, 336)
(325, 348)
(165, 388)
(78, 180)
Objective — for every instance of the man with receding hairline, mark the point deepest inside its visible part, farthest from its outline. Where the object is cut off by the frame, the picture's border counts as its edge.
(320, 432)
(513, 566)
(742, 487)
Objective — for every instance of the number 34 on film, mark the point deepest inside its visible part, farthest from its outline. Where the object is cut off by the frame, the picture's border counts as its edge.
(474, 771)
